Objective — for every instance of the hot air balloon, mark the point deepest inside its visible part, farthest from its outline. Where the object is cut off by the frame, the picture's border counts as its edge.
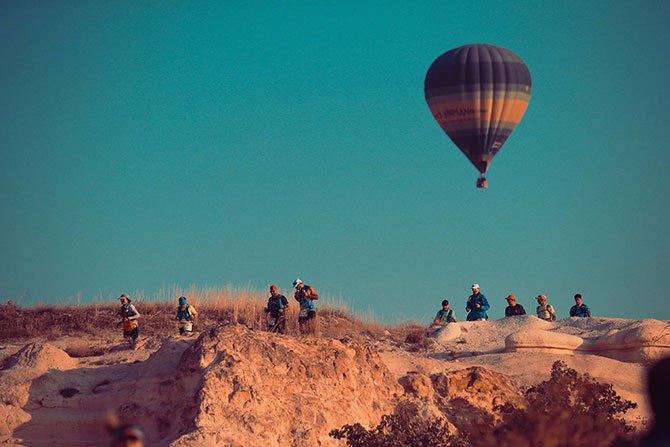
(478, 94)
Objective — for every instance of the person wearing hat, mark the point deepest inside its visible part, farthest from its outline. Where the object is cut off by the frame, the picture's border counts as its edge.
(477, 305)
(545, 311)
(580, 309)
(129, 319)
(513, 309)
(186, 315)
(305, 295)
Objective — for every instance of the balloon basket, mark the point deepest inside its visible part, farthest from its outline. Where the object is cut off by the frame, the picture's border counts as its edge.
(482, 182)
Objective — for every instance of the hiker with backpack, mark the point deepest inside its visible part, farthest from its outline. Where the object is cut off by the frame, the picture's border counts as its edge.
(186, 315)
(545, 311)
(580, 309)
(276, 311)
(129, 319)
(444, 316)
(306, 295)
(477, 305)
(513, 309)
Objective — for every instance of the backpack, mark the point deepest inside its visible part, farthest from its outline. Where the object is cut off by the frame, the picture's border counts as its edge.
(188, 314)
(450, 316)
(552, 312)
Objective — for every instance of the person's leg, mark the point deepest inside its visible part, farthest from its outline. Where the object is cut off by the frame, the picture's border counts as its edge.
(311, 317)
(134, 334)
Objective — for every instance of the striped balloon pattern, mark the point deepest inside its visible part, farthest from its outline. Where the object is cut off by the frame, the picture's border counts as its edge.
(478, 94)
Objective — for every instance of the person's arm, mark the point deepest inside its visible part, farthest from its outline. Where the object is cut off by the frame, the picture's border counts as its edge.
(135, 314)
(552, 312)
(484, 304)
(587, 311)
(523, 311)
(193, 312)
(573, 311)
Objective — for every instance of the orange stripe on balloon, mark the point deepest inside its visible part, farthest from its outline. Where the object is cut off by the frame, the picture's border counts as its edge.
(484, 110)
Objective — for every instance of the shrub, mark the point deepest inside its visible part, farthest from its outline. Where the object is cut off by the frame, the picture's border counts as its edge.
(567, 410)
(407, 428)
(418, 339)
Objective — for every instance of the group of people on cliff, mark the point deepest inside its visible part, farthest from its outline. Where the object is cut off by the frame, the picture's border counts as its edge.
(278, 304)
(275, 312)
(477, 305)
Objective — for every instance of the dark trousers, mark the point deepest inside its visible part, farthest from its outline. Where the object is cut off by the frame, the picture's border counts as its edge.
(279, 326)
(307, 324)
(132, 334)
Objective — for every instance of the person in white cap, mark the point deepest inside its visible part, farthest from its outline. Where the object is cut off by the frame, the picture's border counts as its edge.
(477, 305)
(305, 295)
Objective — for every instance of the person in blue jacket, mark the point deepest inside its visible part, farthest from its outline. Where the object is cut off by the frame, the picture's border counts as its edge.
(580, 309)
(477, 305)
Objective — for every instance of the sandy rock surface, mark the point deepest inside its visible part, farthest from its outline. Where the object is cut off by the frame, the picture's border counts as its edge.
(235, 386)
(295, 393)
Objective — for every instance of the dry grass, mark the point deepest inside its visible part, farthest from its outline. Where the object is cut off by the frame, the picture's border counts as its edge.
(216, 307)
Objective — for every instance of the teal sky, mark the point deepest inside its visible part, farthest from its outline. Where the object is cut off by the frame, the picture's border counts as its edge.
(152, 143)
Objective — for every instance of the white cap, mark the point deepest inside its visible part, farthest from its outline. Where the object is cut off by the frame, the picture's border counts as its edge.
(296, 282)
(475, 286)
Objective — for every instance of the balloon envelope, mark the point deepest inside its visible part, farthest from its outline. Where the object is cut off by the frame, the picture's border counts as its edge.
(478, 94)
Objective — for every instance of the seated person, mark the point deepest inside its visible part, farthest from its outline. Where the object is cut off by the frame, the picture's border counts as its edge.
(444, 316)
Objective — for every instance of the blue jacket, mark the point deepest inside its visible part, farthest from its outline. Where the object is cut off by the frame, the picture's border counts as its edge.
(302, 297)
(580, 311)
(476, 314)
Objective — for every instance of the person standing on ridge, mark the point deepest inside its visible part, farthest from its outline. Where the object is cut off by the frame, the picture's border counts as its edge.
(129, 319)
(186, 315)
(513, 309)
(545, 311)
(580, 309)
(276, 308)
(305, 295)
(477, 305)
